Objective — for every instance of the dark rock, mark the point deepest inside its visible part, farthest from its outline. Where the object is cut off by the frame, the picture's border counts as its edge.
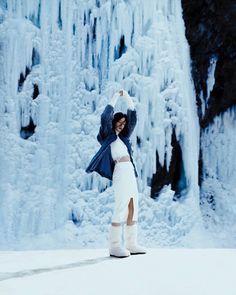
(22, 78)
(175, 175)
(36, 91)
(28, 130)
(212, 32)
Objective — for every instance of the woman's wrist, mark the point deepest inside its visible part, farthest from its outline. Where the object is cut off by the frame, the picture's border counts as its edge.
(130, 104)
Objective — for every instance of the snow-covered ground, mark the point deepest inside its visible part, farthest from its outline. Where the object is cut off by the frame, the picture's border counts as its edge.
(93, 272)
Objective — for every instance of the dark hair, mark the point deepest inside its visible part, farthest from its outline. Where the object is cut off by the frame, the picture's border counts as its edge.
(117, 118)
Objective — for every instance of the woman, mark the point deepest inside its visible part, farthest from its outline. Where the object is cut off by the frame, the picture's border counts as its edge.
(114, 161)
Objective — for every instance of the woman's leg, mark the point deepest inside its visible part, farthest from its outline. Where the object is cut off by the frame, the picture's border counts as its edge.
(130, 212)
(131, 230)
(120, 213)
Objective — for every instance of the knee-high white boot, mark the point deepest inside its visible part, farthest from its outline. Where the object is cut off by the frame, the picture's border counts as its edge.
(131, 240)
(116, 249)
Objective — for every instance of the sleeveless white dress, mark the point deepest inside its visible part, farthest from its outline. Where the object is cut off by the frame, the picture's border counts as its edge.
(124, 183)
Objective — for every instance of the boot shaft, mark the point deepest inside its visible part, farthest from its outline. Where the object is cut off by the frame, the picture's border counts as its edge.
(116, 243)
(131, 232)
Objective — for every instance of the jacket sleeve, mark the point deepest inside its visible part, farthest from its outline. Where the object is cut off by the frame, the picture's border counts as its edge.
(106, 123)
(132, 120)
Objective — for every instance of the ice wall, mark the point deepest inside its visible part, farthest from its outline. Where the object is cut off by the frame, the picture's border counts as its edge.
(62, 61)
(218, 192)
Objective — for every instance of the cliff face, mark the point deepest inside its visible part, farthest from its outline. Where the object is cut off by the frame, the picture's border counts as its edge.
(211, 33)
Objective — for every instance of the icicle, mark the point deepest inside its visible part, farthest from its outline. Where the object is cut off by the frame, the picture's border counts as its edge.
(211, 76)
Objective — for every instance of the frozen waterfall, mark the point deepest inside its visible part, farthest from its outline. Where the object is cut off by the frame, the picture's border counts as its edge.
(61, 61)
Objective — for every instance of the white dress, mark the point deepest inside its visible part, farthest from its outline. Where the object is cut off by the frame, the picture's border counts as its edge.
(124, 183)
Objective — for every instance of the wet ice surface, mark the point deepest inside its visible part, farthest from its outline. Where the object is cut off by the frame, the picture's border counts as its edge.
(160, 271)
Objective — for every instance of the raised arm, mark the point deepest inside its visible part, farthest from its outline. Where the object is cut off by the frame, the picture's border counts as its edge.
(106, 119)
(131, 113)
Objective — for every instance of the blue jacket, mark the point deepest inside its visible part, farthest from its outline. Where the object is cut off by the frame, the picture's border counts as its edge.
(102, 162)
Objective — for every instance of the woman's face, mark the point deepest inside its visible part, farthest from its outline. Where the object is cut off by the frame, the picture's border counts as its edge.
(120, 125)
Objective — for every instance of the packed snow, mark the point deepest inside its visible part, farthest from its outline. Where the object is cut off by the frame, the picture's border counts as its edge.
(88, 272)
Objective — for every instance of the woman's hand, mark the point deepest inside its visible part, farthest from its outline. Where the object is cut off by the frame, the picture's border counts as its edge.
(125, 93)
(126, 96)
